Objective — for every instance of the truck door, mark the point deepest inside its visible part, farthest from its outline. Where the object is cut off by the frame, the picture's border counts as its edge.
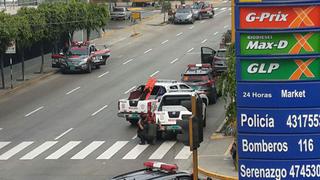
(207, 55)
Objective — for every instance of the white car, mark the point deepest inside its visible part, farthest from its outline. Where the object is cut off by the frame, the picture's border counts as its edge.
(132, 107)
(120, 13)
(174, 106)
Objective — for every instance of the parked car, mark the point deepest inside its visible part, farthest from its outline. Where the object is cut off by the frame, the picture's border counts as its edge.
(156, 171)
(202, 78)
(120, 13)
(217, 59)
(202, 10)
(184, 15)
(80, 56)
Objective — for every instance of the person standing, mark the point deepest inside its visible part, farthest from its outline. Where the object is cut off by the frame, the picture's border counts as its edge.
(141, 132)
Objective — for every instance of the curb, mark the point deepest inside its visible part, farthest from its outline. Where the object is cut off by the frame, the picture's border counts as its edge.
(221, 125)
(215, 175)
(27, 83)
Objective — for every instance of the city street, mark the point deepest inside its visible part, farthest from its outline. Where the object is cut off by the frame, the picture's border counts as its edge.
(66, 127)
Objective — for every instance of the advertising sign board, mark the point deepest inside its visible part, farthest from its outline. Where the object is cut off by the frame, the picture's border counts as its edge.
(280, 69)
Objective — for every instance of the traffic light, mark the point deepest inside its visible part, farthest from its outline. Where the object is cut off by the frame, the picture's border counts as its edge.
(197, 131)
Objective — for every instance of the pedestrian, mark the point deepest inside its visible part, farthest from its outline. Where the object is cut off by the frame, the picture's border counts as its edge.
(141, 131)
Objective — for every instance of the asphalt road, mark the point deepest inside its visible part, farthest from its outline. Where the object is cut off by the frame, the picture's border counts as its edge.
(66, 127)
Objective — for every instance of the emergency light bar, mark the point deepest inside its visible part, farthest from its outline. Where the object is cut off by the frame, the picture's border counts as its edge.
(161, 166)
(199, 65)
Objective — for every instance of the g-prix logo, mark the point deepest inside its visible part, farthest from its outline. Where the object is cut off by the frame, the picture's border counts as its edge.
(302, 17)
(267, 16)
(303, 68)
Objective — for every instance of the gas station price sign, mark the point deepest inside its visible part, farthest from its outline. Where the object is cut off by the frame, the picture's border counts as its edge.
(278, 88)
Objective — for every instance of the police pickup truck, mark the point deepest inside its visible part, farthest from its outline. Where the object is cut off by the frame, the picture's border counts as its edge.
(175, 106)
(137, 103)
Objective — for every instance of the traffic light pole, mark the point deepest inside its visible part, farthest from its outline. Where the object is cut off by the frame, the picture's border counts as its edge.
(194, 151)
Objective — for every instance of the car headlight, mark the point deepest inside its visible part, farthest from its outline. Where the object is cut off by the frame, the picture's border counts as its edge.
(189, 16)
(82, 62)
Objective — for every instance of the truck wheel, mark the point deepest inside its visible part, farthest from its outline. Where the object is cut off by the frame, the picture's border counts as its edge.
(97, 66)
(133, 122)
(205, 119)
(89, 68)
(159, 135)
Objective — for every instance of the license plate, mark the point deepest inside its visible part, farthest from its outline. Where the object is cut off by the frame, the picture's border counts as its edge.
(173, 127)
(72, 68)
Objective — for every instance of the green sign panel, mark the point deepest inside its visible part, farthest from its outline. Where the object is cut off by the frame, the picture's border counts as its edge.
(280, 44)
(280, 70)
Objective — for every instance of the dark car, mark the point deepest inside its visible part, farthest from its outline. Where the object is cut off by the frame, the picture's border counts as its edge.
(217, 59)
(156, 171)
(184, 15)
(202, 78)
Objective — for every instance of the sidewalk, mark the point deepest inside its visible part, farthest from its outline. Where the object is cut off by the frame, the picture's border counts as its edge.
(215, 160)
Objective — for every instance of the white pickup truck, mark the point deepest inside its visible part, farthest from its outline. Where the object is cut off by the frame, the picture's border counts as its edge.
(173, 106)
(135, 105)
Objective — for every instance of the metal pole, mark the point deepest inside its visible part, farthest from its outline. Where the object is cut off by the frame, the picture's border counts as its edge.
(11, 77)
(233, 37)
(2, 74)
(194, 151)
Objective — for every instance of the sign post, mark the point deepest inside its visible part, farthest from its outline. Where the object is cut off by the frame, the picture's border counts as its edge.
(278, 82)
(11, 50)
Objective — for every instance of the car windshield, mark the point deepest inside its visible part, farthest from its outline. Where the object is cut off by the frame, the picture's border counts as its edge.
(118, 9)
(195, 78)
(221, 53)
(181, 10)
(195, 6)
(78, 51)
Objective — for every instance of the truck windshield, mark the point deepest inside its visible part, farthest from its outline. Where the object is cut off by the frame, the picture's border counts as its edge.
(118, 9)
(78, 51)
(221, 54)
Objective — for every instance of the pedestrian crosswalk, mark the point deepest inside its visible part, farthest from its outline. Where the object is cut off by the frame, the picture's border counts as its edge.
(99, 150)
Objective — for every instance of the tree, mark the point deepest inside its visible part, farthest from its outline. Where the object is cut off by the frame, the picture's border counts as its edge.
(97, 17)
(7, 34)
(37, 23)
(23, 36)
(76, 18)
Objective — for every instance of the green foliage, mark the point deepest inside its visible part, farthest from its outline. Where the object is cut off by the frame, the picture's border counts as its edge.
(227, 86)
(97, 16)
(23, 33)
(37, 22)
(7, 31)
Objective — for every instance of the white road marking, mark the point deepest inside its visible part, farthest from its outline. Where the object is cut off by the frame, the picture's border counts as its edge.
(220, 12)
(190, 50)
(134, 137)
(129, 90)
(105, 106)
(40, 149)
(215, 9)
(147, 51)
(153, 74)
(127, 61)
(229, 9)
(39, 108)
(135, 152)
(73, 90)
(173, 61)
(165, 41)
(63, 150)
(191, 27)
(185, 153)
(1, 129)
(112, 150)
(205, 40)
(223, 9)
(3, 144)
(103, 74)
(15, 150)
(226, 26)
(64, 133)
(87, 150)
(216, 33)
(162, 150)
(179, 34)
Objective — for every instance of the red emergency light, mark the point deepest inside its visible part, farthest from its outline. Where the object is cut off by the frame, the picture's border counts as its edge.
(161, 166)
